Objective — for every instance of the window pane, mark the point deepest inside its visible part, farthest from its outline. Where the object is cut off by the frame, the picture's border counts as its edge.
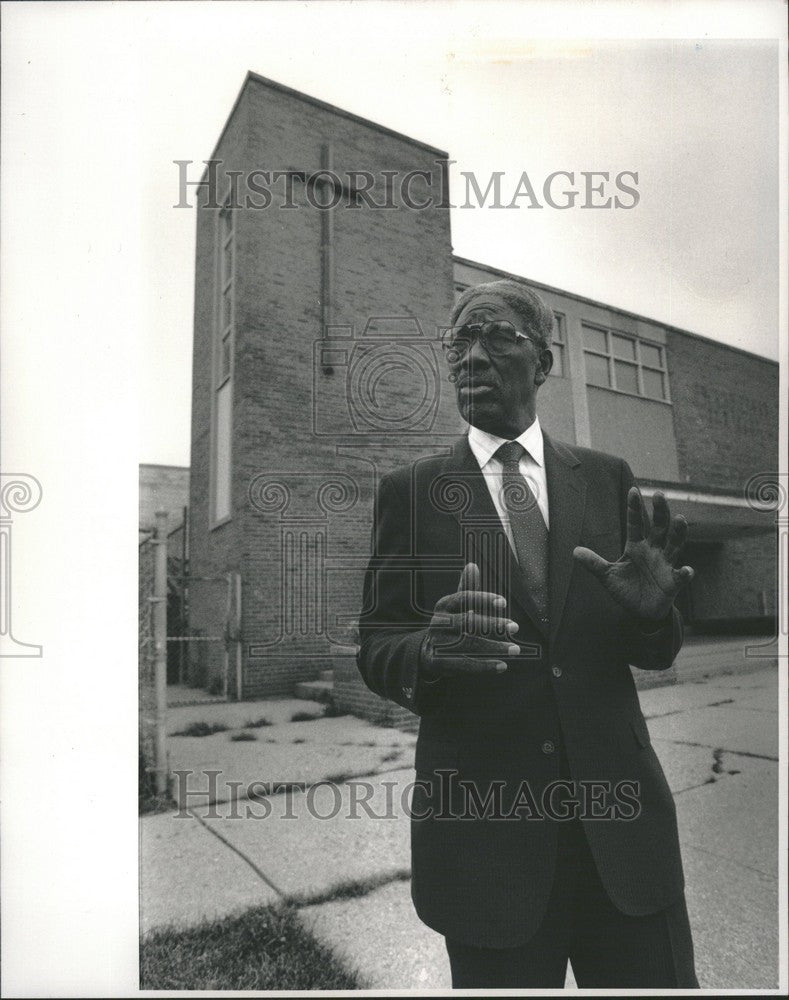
(626, 377)
(597, 370)
(558, 328)
(594, 340)
(558, 359)
(651, 355)
(222, 453)
(653, 384)
(624, 347)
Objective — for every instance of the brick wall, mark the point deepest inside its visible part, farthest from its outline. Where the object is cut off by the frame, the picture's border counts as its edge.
(725, 406)
(735, 579)
(214, 551)
(725, 412)
(302, 544)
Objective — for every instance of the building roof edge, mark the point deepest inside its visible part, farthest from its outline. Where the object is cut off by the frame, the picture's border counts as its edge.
(253, 77)
(607, 305)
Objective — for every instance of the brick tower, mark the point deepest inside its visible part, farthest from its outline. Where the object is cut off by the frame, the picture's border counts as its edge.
(324, 275)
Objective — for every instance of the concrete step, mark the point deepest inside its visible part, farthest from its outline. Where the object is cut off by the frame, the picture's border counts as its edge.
(314, 690)
(327, 675)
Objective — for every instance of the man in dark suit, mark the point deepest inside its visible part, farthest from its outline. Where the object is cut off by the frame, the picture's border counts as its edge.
(542, 824)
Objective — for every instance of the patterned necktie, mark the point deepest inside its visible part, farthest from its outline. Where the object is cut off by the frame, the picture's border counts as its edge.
(528, 527)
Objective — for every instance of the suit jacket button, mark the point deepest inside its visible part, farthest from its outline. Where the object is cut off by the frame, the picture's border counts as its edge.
(408, 692)
(548, 747)
(556, 671)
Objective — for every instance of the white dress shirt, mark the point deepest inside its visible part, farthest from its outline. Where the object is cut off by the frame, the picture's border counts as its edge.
(531, 466)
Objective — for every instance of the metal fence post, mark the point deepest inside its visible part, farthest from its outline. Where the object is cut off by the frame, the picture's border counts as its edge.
(160, 650)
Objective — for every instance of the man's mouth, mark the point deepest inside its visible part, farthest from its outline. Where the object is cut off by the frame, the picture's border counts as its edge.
(476, 388)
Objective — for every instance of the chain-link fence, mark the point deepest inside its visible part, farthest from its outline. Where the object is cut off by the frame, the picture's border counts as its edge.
(146, 661)
(175, 666)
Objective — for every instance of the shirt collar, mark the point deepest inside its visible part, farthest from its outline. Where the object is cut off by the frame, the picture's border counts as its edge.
(485, 445)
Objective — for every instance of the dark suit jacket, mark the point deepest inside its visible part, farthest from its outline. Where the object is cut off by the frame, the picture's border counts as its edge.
(486, 881)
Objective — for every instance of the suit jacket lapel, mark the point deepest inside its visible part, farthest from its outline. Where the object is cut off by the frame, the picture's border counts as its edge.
(483, 529)
(566, 502)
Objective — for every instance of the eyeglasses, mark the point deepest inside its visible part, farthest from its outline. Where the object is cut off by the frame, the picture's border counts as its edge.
(498, 337)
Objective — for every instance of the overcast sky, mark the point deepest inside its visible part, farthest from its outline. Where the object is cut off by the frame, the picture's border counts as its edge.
(141, 86)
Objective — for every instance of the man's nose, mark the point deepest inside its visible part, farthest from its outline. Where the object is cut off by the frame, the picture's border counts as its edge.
(477, 356)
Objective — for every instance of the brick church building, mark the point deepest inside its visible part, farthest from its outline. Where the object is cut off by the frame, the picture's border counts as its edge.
(325, 276)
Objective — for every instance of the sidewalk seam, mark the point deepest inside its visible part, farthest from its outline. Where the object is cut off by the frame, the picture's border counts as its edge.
(258, 871)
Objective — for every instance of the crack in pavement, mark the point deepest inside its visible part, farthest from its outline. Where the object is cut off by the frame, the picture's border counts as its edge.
(690, 708)
(724, 857)
(717, 770)
(737, 753)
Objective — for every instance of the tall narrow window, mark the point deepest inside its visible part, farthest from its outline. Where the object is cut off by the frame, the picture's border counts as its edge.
(557, 346)
(223, 367)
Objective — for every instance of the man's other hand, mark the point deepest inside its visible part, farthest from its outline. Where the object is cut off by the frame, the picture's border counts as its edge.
(643, 580)
(469, 631)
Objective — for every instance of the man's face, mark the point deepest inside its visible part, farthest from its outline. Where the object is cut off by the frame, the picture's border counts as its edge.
(498, 394)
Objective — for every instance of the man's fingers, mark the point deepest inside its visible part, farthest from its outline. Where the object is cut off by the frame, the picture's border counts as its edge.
(677, 534)
(637, 519)
(591, 561)
(481, 601)
(467, 665)
(660, 521)
(478, 645)
(470, 578)
(474, 623)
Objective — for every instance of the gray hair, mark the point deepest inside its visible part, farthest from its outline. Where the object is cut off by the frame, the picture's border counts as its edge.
(535, 314)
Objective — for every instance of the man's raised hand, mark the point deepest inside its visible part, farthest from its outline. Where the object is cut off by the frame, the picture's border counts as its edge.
(643, 580)
(469, 631)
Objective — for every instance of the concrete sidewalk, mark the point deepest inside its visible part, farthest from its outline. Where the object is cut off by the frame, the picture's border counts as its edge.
(716, 738)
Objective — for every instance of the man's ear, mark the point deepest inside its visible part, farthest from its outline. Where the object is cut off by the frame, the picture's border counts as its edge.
(543, 367)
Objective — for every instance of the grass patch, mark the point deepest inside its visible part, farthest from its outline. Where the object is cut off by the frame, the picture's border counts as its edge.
(258, 723)
(299, 740)
(243, 737)
(392, 755)
(265, 948)
(148, 801)
(150, 804)
(203, 729)
(305, 717)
